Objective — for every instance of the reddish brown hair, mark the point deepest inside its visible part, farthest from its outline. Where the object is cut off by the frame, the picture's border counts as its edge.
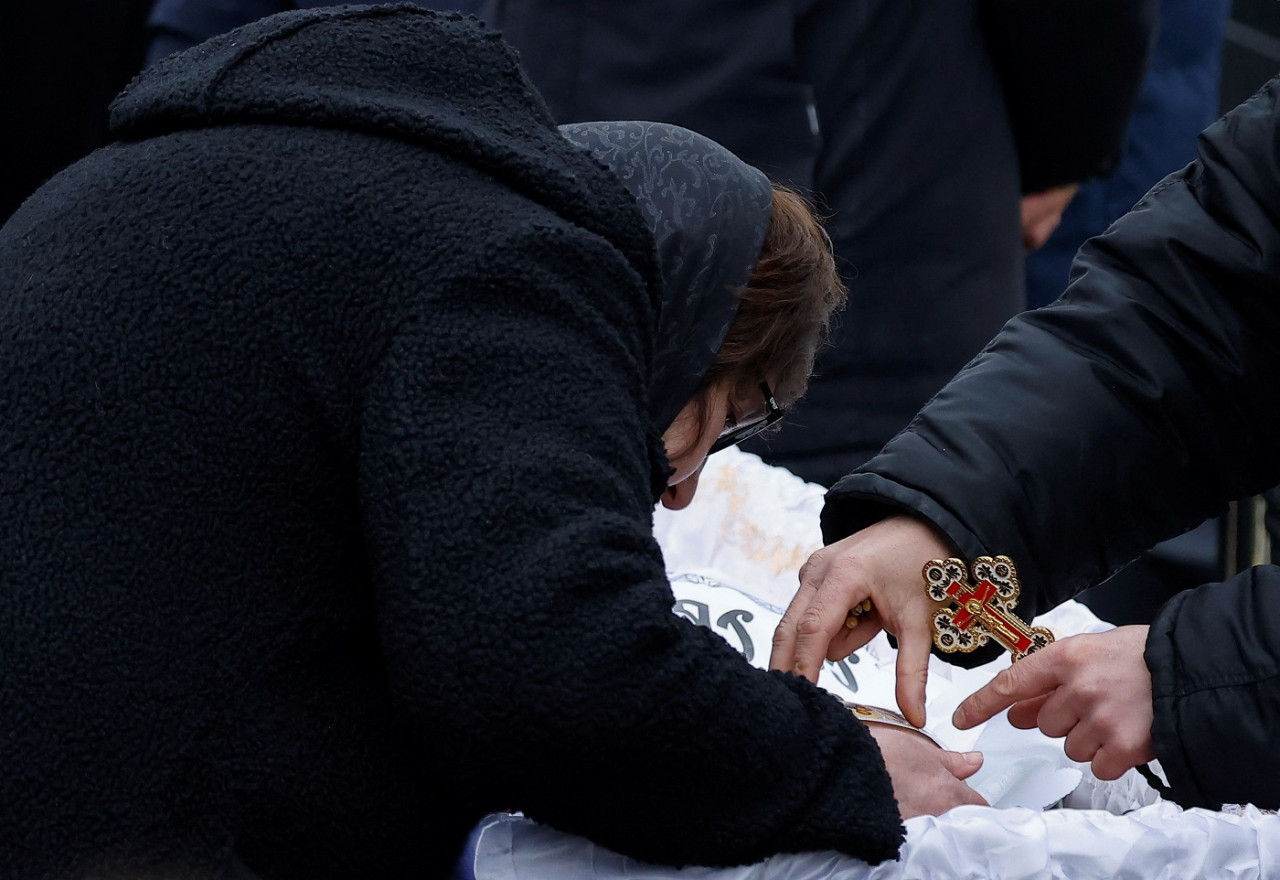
(785, 310)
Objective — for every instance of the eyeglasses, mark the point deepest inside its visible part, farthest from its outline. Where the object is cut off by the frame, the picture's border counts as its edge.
(772, 412)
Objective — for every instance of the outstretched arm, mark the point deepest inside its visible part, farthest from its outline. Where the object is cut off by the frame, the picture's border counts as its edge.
(1135, 406)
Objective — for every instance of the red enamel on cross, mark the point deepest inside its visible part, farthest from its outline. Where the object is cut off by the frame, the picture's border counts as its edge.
(988, 605)
(979, 603)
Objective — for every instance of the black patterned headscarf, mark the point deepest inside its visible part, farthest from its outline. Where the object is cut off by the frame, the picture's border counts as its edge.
(709, 212)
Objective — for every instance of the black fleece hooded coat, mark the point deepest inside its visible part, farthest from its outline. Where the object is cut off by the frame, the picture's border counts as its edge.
(326, 485)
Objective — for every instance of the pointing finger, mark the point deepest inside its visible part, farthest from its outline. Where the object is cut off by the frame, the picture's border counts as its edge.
(913, 670)
(817, 627)
(783, 655)
(1029, 677)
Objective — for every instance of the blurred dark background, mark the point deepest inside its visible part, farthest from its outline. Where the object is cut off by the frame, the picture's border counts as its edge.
(1245, 535)
(61, 61)
(1251, 55)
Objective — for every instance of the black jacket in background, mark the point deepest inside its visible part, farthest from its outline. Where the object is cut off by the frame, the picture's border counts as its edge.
(326, 491)
(1137, 405)
(61, 63)
(174, 25)
(935, 116)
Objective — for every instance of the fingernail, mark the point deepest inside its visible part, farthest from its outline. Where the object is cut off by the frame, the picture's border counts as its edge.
(973, 757)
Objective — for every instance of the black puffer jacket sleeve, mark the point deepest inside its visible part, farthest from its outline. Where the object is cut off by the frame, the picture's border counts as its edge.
(1138, 404)
(1214, 656)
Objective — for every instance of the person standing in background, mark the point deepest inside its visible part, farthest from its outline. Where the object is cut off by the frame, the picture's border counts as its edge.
(1179, 98)
(174, 25)
(919, 125)
(61, 61)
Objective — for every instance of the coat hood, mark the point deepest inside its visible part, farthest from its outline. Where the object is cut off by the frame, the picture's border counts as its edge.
(441, 80)
(448, 83)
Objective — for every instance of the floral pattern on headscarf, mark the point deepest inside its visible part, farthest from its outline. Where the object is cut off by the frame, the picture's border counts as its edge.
(708, 211)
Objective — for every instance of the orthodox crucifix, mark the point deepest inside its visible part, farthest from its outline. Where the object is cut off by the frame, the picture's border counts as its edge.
(981, 609)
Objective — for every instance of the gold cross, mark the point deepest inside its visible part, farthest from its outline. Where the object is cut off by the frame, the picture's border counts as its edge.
(981, 611)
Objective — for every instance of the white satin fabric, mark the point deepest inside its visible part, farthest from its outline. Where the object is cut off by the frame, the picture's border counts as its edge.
(1158, 842)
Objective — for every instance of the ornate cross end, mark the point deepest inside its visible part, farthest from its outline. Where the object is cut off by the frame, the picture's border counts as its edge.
(980, 610)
